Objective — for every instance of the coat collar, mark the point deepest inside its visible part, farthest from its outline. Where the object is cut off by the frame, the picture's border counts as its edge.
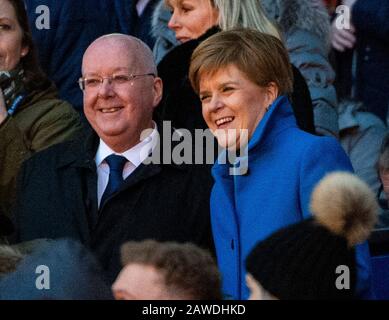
(279, 117)
(81, 151)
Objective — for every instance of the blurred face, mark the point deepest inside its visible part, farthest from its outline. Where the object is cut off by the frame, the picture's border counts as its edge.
(139, 282)
(119, 112)
(257, 292)
(191, 18)
(11, 48)
(232, 105)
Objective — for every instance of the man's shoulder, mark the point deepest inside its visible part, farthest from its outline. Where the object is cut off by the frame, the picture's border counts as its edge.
(57, 153)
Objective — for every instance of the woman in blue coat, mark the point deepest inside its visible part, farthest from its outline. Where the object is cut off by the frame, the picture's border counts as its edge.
(243, 78)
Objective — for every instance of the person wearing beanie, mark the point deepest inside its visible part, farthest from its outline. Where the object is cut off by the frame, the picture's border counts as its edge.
(306, 260)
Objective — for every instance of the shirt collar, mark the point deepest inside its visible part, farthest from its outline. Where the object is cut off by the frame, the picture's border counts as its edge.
(136, 155)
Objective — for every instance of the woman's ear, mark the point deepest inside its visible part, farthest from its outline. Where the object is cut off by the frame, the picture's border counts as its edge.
(272, 92)
(215, 16)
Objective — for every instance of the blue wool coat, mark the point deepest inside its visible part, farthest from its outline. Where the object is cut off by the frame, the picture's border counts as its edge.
(284, 165)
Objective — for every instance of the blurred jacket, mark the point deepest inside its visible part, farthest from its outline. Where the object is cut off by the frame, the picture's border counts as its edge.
(371, 20)
(73, 274)
(361, 135)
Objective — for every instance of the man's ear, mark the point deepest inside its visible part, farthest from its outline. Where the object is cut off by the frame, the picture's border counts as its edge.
(157, 90)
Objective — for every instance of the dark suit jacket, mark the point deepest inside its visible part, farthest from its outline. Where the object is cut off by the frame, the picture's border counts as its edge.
(57, 197)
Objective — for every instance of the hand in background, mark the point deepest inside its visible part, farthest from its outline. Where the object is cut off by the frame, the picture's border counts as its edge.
(342, 39)
(3, 109)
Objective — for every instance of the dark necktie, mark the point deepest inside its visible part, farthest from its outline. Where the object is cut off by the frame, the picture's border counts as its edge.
(116, 165)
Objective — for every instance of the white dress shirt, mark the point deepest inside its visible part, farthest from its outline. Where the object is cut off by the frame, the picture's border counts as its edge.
(135, 156)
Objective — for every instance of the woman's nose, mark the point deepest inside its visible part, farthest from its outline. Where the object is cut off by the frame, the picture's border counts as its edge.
(173, 23)
(216, 103)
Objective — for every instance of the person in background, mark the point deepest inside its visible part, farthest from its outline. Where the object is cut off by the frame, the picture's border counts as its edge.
(32, 118)
(243, 78)
(166, 271)
(368, 36)
(361, 134)
(57, 270)
(306, 261)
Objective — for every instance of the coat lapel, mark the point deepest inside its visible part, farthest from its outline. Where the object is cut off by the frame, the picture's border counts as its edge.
(79, 163)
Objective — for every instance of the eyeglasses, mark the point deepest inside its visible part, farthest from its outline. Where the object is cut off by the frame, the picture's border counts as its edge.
(94, 82)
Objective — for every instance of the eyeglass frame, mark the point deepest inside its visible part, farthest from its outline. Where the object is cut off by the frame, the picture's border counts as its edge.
(81, 81)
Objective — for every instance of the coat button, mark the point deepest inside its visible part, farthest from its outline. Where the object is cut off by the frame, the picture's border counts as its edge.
(366, 58)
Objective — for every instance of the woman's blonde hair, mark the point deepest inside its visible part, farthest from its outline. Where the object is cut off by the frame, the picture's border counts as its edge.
(241, 14)
(245, 14)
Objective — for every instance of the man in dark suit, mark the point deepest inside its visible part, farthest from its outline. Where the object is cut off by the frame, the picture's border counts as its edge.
(97, 189)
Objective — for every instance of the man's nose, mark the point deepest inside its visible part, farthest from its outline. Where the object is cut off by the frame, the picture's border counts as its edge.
(106, 88)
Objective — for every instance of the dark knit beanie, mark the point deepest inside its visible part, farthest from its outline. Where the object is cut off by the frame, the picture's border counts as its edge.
(301, 261)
